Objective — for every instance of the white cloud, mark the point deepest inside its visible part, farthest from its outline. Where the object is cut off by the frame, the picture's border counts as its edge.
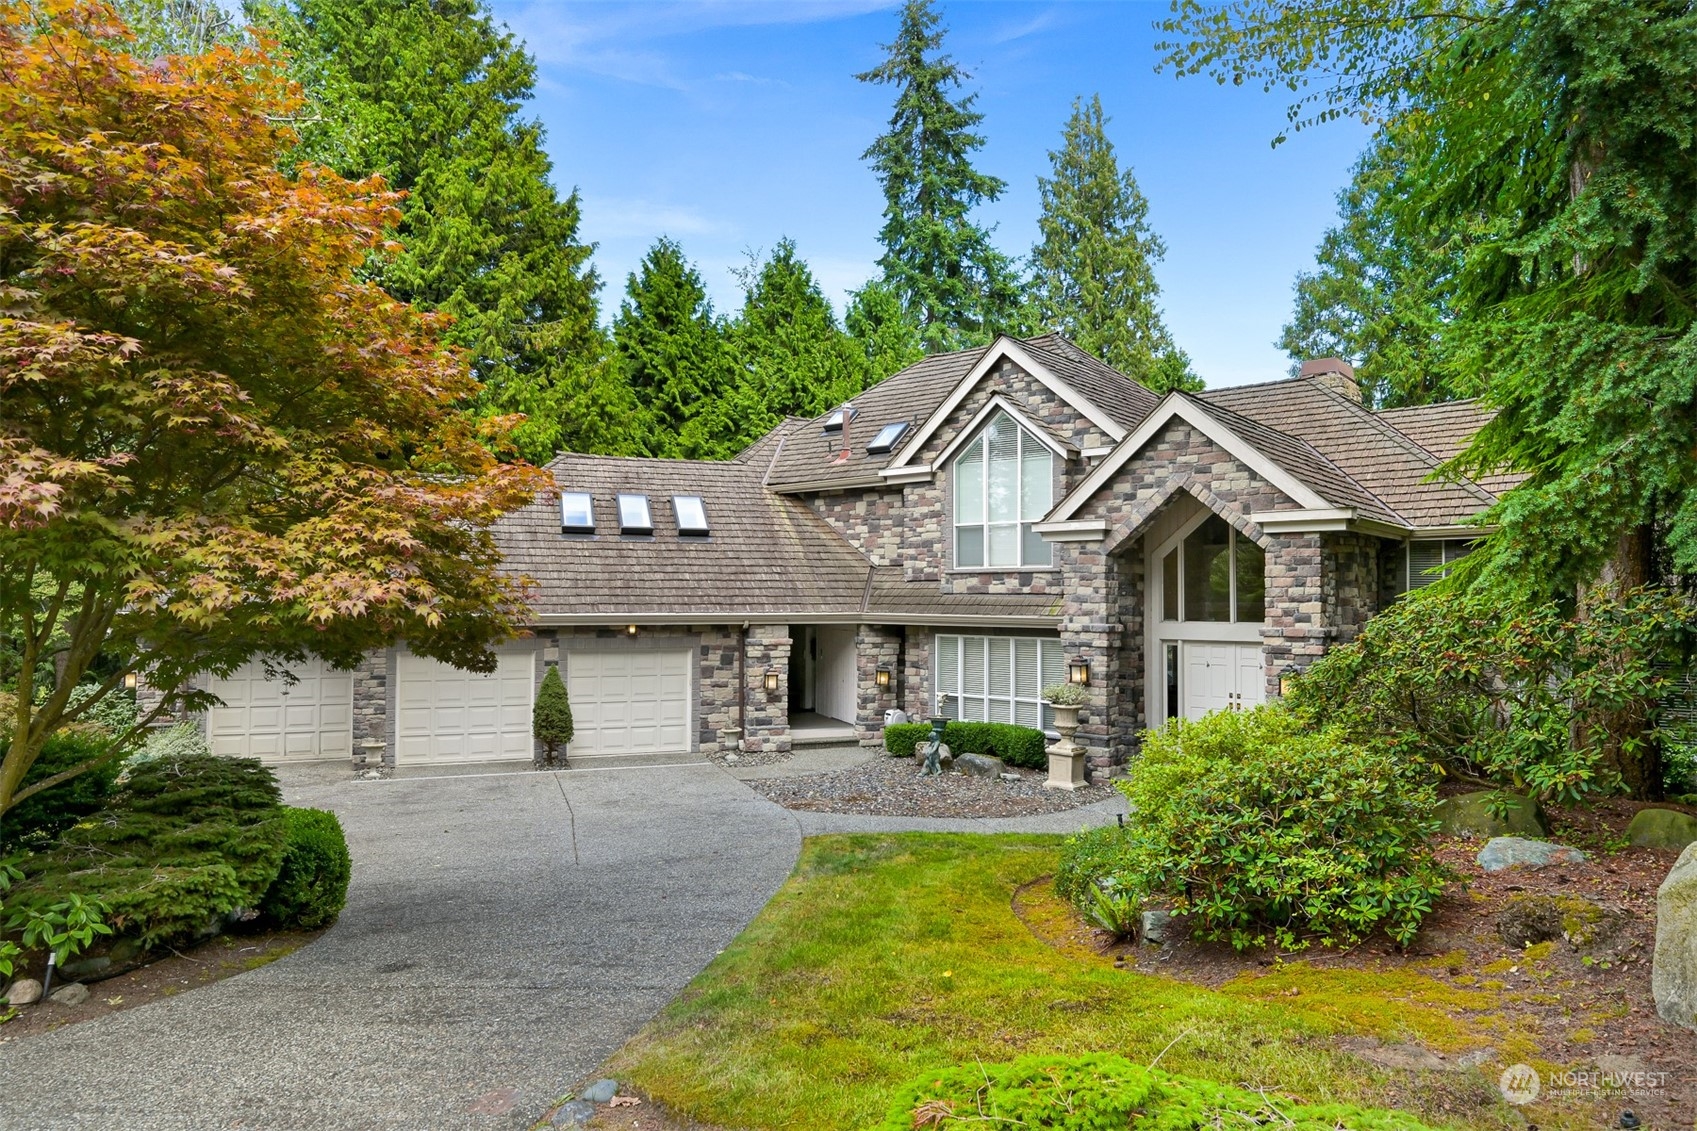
(645, 218)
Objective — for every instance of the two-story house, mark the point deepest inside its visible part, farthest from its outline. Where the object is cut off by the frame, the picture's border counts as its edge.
(970, 530)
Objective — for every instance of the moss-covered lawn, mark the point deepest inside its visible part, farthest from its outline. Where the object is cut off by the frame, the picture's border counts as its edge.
(886, 956)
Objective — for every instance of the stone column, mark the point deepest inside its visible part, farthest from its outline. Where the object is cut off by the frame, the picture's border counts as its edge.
(874, 647)
(1093, 628)
(916, 674)
(767, 726)
(1296, 631)
(373, 744)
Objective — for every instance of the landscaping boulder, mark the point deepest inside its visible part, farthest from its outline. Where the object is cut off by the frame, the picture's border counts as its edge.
(1504, 852)
(1662, 828)
(574, 1114)
(1673, 977)
(1155, 926)
(600, 1092)
(84, 967)
(72, 993)
(24, 991)
(980, 766)
(1469, 814)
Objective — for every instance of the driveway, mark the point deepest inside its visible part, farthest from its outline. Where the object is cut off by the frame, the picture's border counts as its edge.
(503, 936)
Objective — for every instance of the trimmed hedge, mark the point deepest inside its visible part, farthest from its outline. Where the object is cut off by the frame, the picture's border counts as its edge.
(1015, 745)
(1103, 1092)
(40, 818)
(312, 885)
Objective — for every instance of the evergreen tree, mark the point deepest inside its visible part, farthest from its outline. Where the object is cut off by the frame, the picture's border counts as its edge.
(1379, 292)
(551, 717)
(888, 339)
(787, 342)
(952, 281)
(673, 356)
(1093, 271)
(428, 93)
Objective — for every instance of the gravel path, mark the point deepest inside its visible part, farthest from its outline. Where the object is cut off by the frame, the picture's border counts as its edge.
(892, 787)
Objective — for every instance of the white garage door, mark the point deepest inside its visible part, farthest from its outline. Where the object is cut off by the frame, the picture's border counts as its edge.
(630, 702)
(444, 714)
(278, 721)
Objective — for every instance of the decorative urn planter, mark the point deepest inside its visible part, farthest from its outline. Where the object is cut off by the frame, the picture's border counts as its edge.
(1066, 757)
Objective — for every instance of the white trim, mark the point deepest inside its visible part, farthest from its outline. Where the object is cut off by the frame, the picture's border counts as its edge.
(1433, 533)
(1008, 348)
(1095, 453)
(1182, 407)
(1024, 423)
(918, 473)
(1078, 530)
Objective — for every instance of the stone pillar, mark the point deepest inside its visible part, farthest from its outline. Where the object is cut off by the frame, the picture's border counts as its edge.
(767, 725)
(917, 698)
(1093, 628)
(874, 647)
(1351, 582)
(374, 746)
(1296, 629)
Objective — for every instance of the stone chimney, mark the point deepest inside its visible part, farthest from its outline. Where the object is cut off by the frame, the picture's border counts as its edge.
(1335, 373)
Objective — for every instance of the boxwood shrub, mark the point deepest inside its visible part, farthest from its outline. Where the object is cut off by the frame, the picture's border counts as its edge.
(1015, 745)
(1103, 1092)
(1260, 830)
(312, 883)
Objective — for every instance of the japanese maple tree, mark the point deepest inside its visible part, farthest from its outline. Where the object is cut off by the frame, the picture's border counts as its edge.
(216, 440)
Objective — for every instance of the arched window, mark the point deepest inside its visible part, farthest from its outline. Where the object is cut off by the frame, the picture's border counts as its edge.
(1003, 485)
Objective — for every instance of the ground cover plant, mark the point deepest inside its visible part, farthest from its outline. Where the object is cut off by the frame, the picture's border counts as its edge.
(884, 958)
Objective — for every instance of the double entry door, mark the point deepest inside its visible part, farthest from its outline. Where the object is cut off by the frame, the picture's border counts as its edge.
(1219, 677)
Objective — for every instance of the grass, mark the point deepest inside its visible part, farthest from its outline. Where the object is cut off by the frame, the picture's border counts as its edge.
(884, 957)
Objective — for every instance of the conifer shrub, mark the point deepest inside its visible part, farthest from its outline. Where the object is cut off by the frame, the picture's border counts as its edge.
(551, 718)
(186, 843)
(312, 883)
(1104, 1092)
(1261, 830)
(39, 818)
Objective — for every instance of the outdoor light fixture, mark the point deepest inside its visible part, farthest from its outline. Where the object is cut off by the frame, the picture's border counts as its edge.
(630, 629)
(772, 679)
(882, 678)
(129, 681)
(1078, 671)
(1287, 676)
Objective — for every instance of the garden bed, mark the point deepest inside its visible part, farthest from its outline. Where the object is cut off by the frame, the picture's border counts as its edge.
(893, 787)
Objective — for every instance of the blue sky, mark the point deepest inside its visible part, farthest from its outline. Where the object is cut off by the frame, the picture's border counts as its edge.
(728, 125)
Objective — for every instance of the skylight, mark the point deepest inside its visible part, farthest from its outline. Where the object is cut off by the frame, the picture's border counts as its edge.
(577, 511)
(633, 515)
(692, 514)
(887, 437)
(835, 422)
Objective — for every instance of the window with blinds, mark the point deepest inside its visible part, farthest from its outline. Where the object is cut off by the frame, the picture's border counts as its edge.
(997, 679)
(1430, 560)
(1004, 485)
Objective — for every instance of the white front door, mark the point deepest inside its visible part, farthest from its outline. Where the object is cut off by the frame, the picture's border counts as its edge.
(1220, 677)
(278, 721)
(446, 715)
(630, 701)
(836, 690)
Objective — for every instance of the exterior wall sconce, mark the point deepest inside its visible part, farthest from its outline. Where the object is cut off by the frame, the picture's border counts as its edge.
(1287, 677)
(129, 681)
(630, 630)
(882, 677)
(1078, 671)
(772, 680)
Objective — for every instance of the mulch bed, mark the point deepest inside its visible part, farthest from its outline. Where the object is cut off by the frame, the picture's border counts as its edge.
(892, 787)
(1588, 1007)
(176, 973)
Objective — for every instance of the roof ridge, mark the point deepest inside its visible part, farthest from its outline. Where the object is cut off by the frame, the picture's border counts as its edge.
(1398, 436)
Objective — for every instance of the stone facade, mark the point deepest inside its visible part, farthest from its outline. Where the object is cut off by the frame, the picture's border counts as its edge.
(915, 692)
(875, 647)
(767, 727)
(374, 745)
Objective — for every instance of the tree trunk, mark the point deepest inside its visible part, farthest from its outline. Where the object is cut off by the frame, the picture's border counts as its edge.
(1622, 735)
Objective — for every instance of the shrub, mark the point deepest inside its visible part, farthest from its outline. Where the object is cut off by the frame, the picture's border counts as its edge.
(1067, 694)
(551, 717)
(181, 741)
(1103, 1092)
(1015, 745)
(1256, 828)
(1089, 862)
(1456, 679)
(312, 883)
(112, 716)
(185, 843)
(38, 819)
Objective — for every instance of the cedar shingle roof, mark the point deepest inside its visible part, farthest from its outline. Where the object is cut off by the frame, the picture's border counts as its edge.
(1445, 429)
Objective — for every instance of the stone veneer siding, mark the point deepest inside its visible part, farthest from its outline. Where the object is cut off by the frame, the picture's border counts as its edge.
(875, 647)
(767, 728)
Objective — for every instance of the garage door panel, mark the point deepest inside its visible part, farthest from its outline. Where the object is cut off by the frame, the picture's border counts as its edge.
(276, 720)
(446, 715)
(634, 702)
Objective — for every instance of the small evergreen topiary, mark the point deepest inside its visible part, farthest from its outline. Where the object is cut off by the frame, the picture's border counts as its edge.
(312, 885)
(551, 718)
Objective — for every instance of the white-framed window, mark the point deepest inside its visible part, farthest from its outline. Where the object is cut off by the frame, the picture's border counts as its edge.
(1004, 485)
(1214, 574)
(997, 679)
(1431, 559)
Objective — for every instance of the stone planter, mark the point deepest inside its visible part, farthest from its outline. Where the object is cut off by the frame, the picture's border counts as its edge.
(1066, 757)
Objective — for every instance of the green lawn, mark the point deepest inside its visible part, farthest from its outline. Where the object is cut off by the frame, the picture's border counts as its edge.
(887, 956)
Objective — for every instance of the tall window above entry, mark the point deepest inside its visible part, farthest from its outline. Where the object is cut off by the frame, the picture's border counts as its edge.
(1225, 576)
(1004, 485)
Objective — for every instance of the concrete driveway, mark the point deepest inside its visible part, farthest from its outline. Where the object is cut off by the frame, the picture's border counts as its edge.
(503, 936)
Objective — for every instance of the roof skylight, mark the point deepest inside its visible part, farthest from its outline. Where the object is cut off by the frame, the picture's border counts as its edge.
(692, 514)
(633, 515)
(835, 422)
(887, 437)
(577, 512)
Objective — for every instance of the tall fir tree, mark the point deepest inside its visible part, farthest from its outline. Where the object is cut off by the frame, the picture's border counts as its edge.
(1093, 269)
(673, 356)
(952, 281)
(788, 344)
(428, 94)
(887, 336)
